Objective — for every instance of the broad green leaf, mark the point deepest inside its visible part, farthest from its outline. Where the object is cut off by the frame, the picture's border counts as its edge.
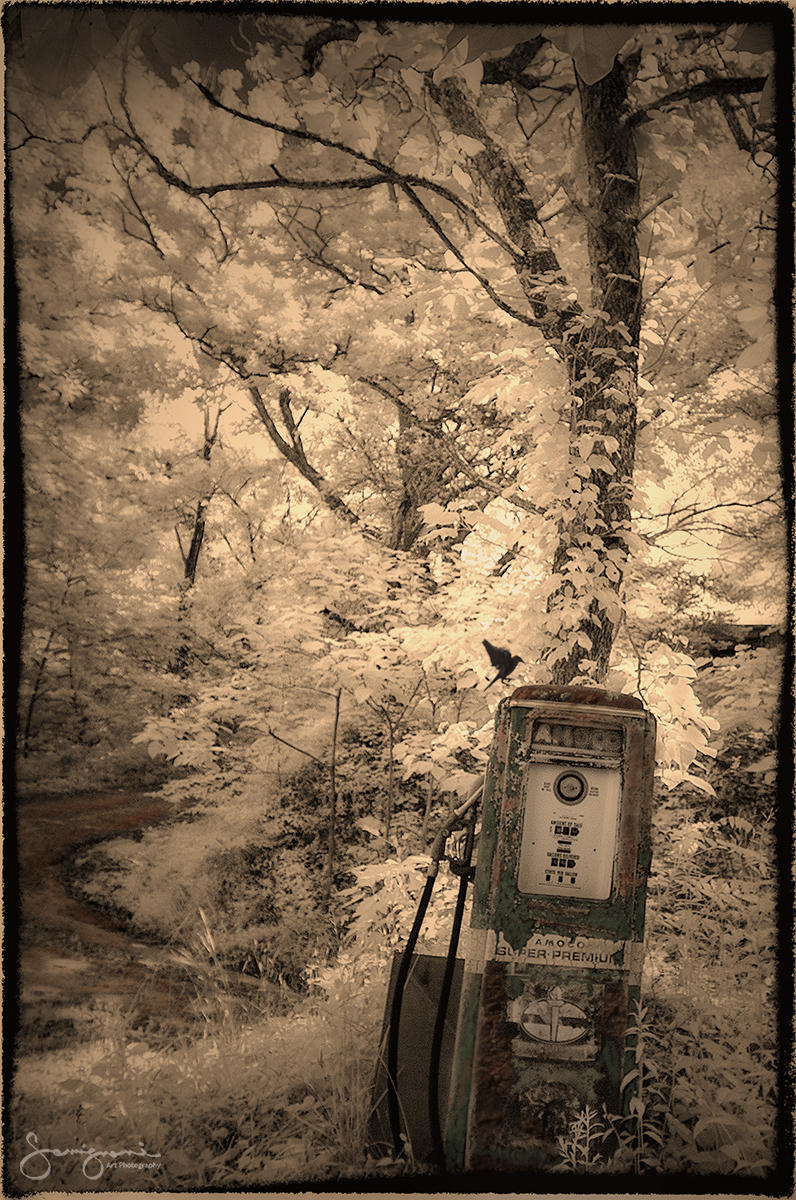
(470, 146)
(460, 782)
(491, 39)
(755, 319)
(757, 355)
(585, 445)
(413, 79)
(472, 73)
(463, 180)
(755, 39)
(592, 48)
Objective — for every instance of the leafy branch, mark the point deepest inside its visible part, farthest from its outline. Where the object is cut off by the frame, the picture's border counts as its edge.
(456, 458)
(690, 512)
(434, 224)
(293, 451)
(537, 268)
(706, 89)
(536, 264)
(387, 174)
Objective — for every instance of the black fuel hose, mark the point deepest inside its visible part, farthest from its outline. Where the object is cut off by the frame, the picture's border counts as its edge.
(445, 992)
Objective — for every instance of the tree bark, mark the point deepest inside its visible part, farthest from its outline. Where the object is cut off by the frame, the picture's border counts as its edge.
(604, 372)
(600, 353)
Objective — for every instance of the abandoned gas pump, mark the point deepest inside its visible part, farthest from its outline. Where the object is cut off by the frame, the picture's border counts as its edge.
(552, 959)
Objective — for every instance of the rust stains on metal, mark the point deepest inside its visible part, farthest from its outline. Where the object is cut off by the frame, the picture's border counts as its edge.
(595, 697)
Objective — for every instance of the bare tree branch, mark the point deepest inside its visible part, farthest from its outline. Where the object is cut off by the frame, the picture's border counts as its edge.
(689, 512)
(734, 125)
(293, 451)
(692, 520)
(509, 68)
(227, 252)
(339, 31)
(135, 211)
(432, 221)
(315, 247)
(30, 136)
(707, 89)
(387, 174)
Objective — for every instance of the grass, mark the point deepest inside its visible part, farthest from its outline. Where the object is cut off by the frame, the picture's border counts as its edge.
(275, 1089)
(269, 1087)
(254, 1098)
(707, 1036)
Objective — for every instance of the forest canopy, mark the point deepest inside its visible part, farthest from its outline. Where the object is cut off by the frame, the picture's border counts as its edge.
(487, 305)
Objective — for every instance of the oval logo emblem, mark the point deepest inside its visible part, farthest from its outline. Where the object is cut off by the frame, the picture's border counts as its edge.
(554, 1019)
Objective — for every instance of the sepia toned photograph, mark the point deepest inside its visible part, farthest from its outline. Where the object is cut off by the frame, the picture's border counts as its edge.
(398, 720)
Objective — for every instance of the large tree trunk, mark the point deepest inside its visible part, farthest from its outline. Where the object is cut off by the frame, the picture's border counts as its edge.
(600, 355)
(603, 369)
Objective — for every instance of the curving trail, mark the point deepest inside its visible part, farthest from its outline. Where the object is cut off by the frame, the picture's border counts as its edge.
(72, 954)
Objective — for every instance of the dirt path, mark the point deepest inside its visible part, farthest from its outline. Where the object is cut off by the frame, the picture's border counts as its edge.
(72, 955)
(78, 960)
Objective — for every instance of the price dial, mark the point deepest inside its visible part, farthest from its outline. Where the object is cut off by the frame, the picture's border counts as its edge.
(570, 787)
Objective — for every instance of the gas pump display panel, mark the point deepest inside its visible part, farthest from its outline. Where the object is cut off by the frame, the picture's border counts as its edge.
(573, 791)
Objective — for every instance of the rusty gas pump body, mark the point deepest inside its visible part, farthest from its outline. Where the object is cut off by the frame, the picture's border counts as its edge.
(554, 952)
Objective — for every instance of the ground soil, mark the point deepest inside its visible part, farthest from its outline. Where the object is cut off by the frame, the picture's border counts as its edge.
(75, 961)
(73, 956)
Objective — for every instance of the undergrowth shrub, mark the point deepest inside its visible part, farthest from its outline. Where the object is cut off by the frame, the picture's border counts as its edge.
(707, 1034)
(266, 899)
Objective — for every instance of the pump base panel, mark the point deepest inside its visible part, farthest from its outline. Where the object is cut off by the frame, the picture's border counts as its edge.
(546, 1044)
(418, 1017)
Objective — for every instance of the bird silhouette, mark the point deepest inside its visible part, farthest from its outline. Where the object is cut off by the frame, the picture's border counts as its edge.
(504, 660)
